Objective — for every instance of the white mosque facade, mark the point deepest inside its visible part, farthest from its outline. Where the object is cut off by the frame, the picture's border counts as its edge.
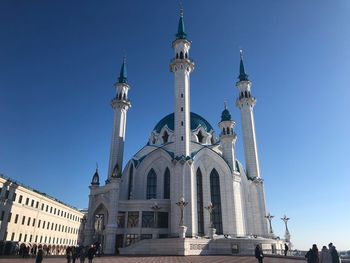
(183, 160)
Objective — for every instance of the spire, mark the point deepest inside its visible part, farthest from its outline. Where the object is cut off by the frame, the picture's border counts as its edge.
(242, 75)
(123, 77)
(225, 115)
(181, 28)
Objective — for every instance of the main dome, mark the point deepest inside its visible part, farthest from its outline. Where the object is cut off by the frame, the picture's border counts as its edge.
(196, 121)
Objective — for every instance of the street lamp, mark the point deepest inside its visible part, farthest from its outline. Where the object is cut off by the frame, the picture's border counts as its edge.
(212, 230)
(287, 234)
(269, 218)
(182, 229)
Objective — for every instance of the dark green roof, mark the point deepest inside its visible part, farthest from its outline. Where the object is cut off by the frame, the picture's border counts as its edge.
(225, 115)
(196, 121)
(123, 77)
(242, 75)
(181, 29)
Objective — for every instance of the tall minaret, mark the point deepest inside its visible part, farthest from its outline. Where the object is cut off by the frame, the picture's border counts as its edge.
(246, 104)
(182, 67)
(120, 105)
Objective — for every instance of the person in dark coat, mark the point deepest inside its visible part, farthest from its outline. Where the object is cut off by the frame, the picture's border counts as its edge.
(39, 256)
(334, 253)
(286, 248)
(91, 253)
(312, 255)
(259, 254)
(68, 254)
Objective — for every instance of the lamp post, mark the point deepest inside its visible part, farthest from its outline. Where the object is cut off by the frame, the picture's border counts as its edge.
(99, 219)
(212, 230)
(82, 231)
(287, 234)
(269, 218)
(182, 204)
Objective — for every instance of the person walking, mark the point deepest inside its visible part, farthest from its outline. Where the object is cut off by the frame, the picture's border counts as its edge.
(286, 248)
(91, 253)
(39, 256)
(259, 254)
(82, 254)
(74, 254)
(334, 253)
(312, 255)
(325, 256)
(68, 254)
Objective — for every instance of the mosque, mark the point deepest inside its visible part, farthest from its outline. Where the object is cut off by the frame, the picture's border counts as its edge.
(185, 188)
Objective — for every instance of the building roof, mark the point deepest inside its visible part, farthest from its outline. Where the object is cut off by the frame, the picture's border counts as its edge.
(196, 121)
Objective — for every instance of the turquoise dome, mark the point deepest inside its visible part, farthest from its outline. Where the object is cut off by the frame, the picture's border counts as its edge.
(196, 121)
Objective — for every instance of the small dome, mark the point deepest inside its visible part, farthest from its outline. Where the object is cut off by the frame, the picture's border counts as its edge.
(225, 115)
(196, 121)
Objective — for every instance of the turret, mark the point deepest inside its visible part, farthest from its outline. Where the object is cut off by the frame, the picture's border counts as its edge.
(120, 105)
(182, 67)
(228, 138)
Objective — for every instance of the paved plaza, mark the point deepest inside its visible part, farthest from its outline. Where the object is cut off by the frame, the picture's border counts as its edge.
(162, 259)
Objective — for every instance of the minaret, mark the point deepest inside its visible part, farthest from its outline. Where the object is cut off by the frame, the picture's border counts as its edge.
(228, 138)
(246, 104)
(182, 67)
(120, 105)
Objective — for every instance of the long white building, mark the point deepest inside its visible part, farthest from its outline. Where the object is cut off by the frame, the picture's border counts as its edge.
(183, 160)
(35, 219)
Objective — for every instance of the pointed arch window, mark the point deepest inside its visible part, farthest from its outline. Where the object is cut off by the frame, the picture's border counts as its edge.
(216, 200)
(167, 184)
(200, 216)
(151, 185)
(131, 175)
(181, 55)
(200, 136)
(228, 130)
(165, 137)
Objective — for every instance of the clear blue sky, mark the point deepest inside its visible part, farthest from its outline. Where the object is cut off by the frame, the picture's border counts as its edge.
(59, 60)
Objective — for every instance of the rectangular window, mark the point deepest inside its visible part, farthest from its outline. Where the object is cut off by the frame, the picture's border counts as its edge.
(20, 237)
(182, 109)
(20, 199)
(133, 219)
(41, 239)
(33, 222)
(27, 201)
(162, 219)
(54, 212)
(51, 210)
(13, 237)
(148, 219)
(42, 207)
(48, 225)
(14, 197)
(36, 238)
(39, 223)
(23, 220)
(47, 208)
(182, 123)
(146, 236)
(9, 217)
(45, 239)
(32, 205)
(37, 204)
(121, 220)
(182, 95)
(51, 226)
(28, 222)
(16, 218)
(30, 238)
(55, 227)
(25, 238)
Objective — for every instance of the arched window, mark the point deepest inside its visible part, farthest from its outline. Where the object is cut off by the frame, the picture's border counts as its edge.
(200, 136)
(216, 200)
(223, 131)
(131, 175)
(120, 96)
(200, 216)
(186, 55)
(181, 55)
(124, 97)
(167, 184)
(228, 130)
(246, 94)
(177, 55)
(165, 137)
(151, 185)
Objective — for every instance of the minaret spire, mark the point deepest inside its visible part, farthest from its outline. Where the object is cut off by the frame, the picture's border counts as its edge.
(181, 34)
(242, 75)
(123, 76)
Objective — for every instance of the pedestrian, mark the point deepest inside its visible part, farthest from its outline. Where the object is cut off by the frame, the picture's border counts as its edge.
(91, 253)
(334, 253)
(259, 254)
(39, 256)
(68, 254)
(74, 254)
(82, 254)
(325, 256)
(286, 248)
(312, 255)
